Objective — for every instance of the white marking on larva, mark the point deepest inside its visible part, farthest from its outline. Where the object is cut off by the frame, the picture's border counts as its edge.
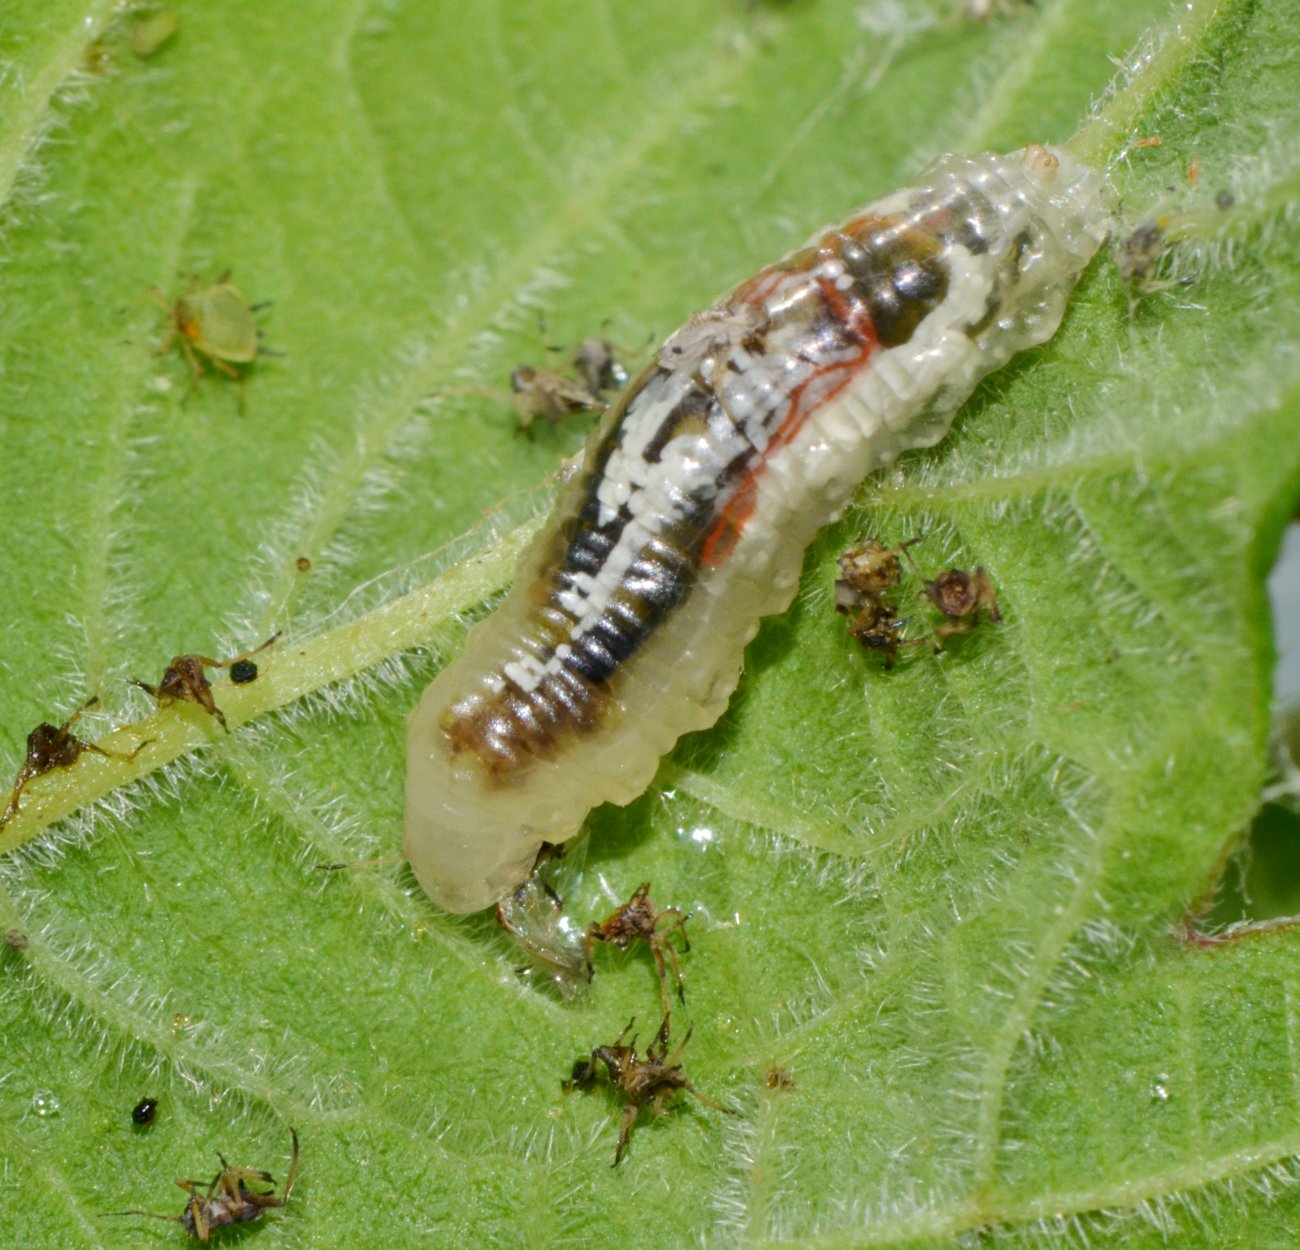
(752, 428)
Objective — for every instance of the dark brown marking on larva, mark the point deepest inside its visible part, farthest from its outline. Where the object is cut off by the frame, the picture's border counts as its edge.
(900, 275)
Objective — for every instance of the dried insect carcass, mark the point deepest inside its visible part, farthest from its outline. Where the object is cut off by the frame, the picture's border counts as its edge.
(641, 919)
(961, 596)
(184, 681)
(54, 746)
(652, 1080)
(227, 1198)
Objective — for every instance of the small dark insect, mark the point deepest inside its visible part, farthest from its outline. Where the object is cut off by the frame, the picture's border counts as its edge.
(145, 1111)
(961, 596)
(640, 918)
(52, 746)
(779, 1078)
(867, 573)
(303, 564)
(16, 939)
(184, 681)
(653, 1080)
(227, 1198)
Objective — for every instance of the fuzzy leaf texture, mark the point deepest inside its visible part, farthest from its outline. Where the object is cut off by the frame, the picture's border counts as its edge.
(948, 900)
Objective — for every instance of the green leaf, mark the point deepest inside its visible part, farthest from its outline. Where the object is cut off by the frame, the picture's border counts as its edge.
(947, 901)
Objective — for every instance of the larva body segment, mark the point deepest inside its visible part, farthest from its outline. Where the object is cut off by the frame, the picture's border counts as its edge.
(747, 432)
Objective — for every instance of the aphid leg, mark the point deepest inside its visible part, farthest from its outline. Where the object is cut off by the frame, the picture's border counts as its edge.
(227, 368)
(707, 1101)
(658, 948)
(199, 1217)
(660, 1043)
(169, 311)
(247, 655)
(677, 921)
(128, 756)
(76, 716)
(662, 973)
(151, 1215)
(195, 1207)
(673, 1061)
(234, 1179)
(293, 1163)
(627, 1028)
(625, 1124)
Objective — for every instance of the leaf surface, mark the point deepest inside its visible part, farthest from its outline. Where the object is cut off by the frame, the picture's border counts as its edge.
(947, 900)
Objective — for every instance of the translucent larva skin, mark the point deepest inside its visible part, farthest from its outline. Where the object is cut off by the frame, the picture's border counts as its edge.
(748, 431)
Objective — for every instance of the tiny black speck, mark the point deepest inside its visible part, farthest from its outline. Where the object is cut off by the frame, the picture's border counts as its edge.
(144, 1111)
(242, 672)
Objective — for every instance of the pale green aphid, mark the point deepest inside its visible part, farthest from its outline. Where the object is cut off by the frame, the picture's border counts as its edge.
(152, 31)
(217, 322)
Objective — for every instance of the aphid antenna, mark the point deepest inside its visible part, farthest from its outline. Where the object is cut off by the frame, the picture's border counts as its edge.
(377, 861)
(148, 1215)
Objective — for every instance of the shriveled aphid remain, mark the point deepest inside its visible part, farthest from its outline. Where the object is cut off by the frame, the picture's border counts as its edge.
(750, 429)
(869, 573)
(1141, 252)
(641, 919)
(870, 569)
(227, 1198)
(961, 597)
(53, 746)
(650, 1081)
(184, 680)
(535, 917)
(552, 395)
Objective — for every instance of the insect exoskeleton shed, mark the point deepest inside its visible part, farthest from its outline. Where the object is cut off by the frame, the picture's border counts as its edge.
(704, 483)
